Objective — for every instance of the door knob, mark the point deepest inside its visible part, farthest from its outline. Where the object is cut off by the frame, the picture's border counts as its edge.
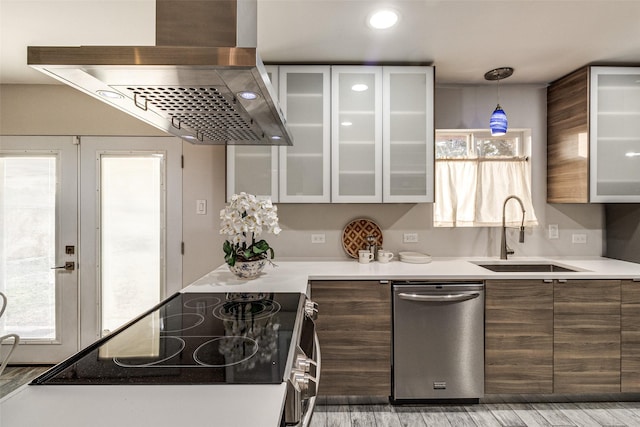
(68, 266)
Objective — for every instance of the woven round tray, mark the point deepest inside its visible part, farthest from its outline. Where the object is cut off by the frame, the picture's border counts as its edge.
(354, 236)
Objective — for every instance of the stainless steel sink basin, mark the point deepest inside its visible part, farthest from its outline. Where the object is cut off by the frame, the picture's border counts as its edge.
(527, 268)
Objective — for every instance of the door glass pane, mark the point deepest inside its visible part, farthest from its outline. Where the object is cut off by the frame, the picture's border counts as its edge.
(305, 117)
(357, 149)
(131, 237)
(28, 245)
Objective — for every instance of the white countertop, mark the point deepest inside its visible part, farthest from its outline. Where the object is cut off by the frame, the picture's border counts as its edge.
(143, 405)
(245, 405)
(292, 276)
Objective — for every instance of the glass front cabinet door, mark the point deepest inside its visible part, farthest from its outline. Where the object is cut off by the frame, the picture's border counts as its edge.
(614, 134)
(383, 133)
(305, 167)
(356, 134)
(254, 169)
(408, 134)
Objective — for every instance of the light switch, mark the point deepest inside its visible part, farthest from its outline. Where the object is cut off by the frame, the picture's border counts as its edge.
(201, 207)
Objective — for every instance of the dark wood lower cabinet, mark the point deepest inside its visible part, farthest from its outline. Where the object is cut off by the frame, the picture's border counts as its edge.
(354, 329)
(573, 336)
(518, 336)
(586, 357)
(630, 337)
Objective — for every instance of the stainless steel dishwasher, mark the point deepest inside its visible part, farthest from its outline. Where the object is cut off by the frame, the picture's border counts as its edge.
(438, 341)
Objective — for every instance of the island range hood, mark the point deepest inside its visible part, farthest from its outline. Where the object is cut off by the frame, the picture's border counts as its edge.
(203, 80)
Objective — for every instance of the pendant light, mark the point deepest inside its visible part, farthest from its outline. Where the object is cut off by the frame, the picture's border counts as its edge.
(498, 121)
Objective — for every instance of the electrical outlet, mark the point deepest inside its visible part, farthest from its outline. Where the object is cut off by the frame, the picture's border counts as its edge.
(410, 238)
(553, 231)
(579, 238)
(317, 238)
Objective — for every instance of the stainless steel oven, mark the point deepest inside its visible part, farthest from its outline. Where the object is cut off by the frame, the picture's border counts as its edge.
(304, 376)
(438, 341)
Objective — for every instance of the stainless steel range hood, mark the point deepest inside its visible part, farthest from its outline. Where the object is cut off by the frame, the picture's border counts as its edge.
(196, 82)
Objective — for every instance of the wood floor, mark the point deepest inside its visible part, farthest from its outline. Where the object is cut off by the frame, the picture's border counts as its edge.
(14, 376)
(556, 414)
(498, 414)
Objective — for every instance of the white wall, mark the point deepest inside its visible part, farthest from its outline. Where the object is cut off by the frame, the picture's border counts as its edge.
(58, 110)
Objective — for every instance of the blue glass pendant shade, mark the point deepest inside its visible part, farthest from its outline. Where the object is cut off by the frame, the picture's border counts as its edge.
(498, 122)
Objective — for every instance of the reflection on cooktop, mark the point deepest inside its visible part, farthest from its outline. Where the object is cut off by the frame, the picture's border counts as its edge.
(193, 338)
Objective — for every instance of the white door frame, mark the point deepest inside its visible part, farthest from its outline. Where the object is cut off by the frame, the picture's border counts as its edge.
(66, 150)
(90, 150)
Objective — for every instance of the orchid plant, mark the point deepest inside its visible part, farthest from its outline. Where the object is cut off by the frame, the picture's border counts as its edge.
(243, 221)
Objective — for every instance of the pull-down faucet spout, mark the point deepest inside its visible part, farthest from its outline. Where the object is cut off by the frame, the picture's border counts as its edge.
(504, 249)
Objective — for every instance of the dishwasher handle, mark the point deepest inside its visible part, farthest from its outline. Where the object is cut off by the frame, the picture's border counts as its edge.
(458, 297)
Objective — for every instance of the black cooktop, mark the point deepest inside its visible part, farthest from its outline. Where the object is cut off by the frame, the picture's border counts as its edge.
(192, 338)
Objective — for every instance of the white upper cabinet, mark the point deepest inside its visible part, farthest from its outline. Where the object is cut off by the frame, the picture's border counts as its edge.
(615, 134)
(361, 134)
(254, 169)
(383, 132)
(356, 157)
(408, 134)
(305, 93)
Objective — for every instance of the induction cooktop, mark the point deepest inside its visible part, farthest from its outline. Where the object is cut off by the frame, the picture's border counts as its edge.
(193, 338)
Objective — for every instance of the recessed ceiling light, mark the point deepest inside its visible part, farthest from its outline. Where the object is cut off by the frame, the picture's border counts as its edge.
(359, 87)
(383, 19)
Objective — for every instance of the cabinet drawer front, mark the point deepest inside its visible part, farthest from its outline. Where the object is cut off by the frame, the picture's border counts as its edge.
(380, 338)
(340, 291)
(355, 383)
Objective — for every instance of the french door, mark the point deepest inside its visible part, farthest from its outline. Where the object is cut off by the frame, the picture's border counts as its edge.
(90, 232)
(130, 228)
(38, 236)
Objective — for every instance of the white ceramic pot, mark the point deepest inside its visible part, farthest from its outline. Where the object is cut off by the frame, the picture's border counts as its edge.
(248, 269)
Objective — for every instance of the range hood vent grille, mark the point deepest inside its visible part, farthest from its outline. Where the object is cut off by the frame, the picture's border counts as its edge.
(202, 110)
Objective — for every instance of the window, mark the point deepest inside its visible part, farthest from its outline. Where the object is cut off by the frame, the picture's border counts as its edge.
(479, 144)
(132, 235)
(476, 172)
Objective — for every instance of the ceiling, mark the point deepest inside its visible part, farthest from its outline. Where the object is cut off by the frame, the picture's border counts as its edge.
(541, 39)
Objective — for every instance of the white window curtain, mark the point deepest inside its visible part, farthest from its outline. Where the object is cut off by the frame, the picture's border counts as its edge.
(471, 192)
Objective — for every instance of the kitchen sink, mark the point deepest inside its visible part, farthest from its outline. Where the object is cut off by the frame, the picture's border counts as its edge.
(527, 268)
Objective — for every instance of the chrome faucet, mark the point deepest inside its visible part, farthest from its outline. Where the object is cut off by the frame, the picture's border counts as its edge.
(373, 247)
(504, 249)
